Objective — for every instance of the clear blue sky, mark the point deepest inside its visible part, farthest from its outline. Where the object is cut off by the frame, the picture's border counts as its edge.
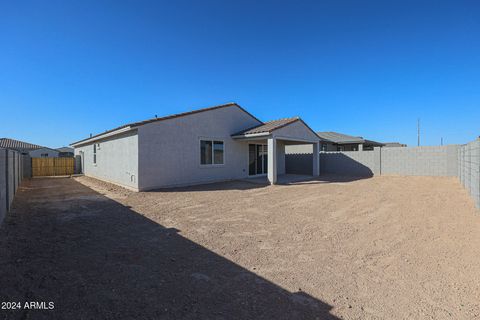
(370, 68)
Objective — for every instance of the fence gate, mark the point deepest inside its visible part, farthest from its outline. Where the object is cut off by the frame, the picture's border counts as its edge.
(52, 166)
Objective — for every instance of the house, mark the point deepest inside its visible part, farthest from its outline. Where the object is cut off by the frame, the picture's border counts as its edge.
(394, 145)
(218, 143)
(44, 152)
(335, 141)
(34, 150)
(65, 152)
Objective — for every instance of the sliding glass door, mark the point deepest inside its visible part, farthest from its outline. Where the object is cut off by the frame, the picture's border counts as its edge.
(257, 159)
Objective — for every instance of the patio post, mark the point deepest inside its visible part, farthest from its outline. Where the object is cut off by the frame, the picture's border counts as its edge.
(272, 160)
(316, 159)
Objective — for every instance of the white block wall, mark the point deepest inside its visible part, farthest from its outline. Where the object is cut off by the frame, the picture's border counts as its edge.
(420, 161)
(353, 163)
(469, 169)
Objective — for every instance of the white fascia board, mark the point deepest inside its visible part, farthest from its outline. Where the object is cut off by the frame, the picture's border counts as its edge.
(308, 141)
(252, 135)
(106, 135)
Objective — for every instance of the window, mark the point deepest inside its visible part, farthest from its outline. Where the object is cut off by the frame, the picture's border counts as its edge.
(323, 147)
(95, 153)
(217, 152)
(211, 152)
(44, 155)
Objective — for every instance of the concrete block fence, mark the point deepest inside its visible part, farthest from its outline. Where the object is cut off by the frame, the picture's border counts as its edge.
(408, 161)
(420, 161)
(14, 167)
(462, 161)
(469, 168)
(351, 163)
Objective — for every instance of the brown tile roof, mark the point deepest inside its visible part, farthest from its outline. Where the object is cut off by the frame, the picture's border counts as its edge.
(18, 145)
(268, 126)
(140, 123)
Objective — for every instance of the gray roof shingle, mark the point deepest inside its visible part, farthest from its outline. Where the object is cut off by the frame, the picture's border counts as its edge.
(268, 126)
(140, 123)
(337, 137)
(341, 138)
(18, 145)
(65, 149)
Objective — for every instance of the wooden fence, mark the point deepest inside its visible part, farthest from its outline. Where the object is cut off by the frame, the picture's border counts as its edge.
(52, 166)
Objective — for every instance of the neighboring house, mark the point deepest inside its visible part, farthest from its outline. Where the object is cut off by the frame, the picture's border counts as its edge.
(213, 144)
(334, 141)
(34, 150)
(65, 152)
(44, 152)
(394, 145)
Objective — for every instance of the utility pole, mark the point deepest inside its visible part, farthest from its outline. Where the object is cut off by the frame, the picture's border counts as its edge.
(441, 141)
(418, 132)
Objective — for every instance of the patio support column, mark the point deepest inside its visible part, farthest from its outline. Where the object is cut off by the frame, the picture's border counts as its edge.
(360, 147)
(316, 159)
(272, 160)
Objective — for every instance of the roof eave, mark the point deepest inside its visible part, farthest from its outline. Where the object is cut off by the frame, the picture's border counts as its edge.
(349, 142)
(251, 135)
(375, 143)
(101, 136)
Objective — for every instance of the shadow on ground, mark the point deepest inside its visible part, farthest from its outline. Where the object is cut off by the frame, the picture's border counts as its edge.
(225, 185)
(97, 259)
(262, 182)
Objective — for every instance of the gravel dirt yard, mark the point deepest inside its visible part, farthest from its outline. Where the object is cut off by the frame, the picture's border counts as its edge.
(381, 248)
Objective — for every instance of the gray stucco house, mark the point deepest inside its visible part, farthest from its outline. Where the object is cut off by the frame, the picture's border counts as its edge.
(65, 152)
(33, 150)
(335, 141)
(219, 143)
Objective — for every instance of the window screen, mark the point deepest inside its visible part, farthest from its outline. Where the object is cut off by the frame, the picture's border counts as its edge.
(205, 152)
(211, 152)
(218, 152)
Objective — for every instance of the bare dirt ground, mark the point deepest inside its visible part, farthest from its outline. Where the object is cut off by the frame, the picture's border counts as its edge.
(378, 248)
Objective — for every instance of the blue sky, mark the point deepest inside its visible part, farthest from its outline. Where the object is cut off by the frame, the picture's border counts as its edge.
(370, 68)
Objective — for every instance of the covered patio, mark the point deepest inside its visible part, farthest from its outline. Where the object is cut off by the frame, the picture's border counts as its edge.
(282, 179)
(266, 146)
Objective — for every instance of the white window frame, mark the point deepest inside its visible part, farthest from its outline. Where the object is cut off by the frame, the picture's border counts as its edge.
(213, 152)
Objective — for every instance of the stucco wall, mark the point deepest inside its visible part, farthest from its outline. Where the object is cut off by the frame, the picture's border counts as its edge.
(296, 130)
(280, 157)
(169, 150)
(117, 159)
(299, 149)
